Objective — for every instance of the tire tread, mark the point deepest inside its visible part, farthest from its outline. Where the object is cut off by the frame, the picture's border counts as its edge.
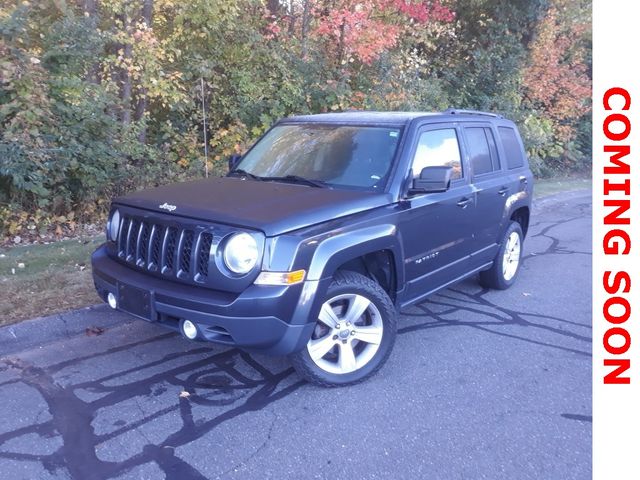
(493, 278)
(345, 278)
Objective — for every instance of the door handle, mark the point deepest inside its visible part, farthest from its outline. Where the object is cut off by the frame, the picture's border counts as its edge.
(503, 191)
(465, 202)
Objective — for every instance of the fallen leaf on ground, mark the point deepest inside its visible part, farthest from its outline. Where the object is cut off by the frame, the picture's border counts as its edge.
(94, 331)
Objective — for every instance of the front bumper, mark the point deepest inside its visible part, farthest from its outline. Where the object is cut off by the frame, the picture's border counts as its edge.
(283, 325)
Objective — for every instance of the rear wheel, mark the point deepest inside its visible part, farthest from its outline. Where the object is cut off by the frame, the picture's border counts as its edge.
(354, 333)
(506, 265)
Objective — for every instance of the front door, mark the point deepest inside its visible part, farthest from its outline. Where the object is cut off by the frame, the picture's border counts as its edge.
(437, 228)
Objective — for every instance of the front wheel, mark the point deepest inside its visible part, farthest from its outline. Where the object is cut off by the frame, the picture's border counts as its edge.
(354, 333)
(506, 265)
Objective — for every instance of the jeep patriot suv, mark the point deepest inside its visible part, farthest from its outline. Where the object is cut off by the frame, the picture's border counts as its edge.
(321, 233)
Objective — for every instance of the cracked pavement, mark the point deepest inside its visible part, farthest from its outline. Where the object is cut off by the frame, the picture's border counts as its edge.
(481, 384)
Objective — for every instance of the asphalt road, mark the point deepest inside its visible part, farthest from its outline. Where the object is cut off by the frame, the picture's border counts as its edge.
(481, 384)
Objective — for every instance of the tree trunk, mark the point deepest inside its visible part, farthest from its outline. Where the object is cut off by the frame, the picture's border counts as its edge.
(147, 12)
(305, 27)
(141, 103)
(126, 89)
(90, 8)
(274, 7)
(341, 46)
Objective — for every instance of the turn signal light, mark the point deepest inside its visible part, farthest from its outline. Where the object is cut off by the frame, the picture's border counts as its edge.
(280, 278)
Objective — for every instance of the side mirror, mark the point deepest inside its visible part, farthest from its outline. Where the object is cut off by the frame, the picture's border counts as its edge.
(234, 160)
(432, 180)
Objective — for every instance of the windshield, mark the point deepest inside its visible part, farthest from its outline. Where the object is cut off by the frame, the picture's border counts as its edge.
(349, 156)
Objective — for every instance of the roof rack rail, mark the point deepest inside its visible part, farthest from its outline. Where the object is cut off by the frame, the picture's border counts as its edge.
(457, 111)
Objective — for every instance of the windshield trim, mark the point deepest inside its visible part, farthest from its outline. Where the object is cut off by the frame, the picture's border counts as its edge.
(401, 126)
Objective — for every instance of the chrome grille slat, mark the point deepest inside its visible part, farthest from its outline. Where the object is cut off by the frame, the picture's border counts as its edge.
(122, 237)
(186, 247)
(155, 243)
(175, 252)
(204, 252)
(169, 249)
(142, 244)
(131, 241)
(177, 256)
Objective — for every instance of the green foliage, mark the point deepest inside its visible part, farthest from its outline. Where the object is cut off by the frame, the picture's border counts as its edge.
(97, 99)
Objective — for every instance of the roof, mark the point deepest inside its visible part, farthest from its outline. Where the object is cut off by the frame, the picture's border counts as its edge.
(391, 118)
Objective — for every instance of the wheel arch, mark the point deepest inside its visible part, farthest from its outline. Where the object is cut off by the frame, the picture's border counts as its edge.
(521, 215)
(364, 251)
(378, 266)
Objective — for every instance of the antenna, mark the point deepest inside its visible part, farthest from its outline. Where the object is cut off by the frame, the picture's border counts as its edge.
(204, 131)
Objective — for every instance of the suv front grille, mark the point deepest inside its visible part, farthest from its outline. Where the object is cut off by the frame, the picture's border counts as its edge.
(182, 253)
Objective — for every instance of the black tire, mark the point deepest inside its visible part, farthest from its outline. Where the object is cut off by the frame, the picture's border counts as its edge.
(347, 283)
(495, 277)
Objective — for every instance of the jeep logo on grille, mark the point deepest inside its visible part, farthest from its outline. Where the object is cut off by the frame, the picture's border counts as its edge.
(166, 206)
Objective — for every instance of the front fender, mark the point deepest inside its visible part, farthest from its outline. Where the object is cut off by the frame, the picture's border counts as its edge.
(333, 249)
(337, 249)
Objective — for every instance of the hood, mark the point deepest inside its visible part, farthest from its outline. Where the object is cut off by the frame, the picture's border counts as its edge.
(272, 207)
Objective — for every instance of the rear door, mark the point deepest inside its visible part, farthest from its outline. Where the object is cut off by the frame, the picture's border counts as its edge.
(437, 228)
(491, 185)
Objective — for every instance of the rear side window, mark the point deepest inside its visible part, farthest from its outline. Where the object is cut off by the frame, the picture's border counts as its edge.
(438, 148)
(512, 150)
(482, 150)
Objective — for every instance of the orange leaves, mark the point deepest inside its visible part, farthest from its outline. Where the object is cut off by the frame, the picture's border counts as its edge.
(229, 141)
(556, 79)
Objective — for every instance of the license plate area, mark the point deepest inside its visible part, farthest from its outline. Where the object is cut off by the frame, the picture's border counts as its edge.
(135, 301)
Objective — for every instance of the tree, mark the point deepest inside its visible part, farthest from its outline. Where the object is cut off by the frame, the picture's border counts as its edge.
(556, 81)
(98, 97)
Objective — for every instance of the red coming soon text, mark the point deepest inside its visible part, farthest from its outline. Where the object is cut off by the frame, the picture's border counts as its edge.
(617, 239)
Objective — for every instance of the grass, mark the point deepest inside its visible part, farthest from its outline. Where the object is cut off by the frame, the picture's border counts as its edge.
(550, 186)
(57, 277)
(37, 280)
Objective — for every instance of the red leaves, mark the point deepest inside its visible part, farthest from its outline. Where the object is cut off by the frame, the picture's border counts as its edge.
(356, 31)
(364, 29)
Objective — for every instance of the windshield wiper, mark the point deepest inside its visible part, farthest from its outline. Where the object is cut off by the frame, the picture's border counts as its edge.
(297, 179)
(238, 172)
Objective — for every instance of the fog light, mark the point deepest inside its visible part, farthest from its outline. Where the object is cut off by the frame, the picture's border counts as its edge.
(189, 329)
(111, 300)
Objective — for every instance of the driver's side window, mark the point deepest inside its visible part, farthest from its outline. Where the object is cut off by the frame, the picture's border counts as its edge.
(438, 148)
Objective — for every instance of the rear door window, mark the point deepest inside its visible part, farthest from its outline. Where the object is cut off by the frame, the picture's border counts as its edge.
(512, 149)
(482, 150)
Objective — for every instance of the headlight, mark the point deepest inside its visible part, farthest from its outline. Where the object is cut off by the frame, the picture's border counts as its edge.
(113, 225)
(241, 253)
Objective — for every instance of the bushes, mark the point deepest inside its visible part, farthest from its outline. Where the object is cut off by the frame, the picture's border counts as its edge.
(97, 101)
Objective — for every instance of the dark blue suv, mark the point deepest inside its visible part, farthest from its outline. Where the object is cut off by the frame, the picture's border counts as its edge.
(321, 233)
